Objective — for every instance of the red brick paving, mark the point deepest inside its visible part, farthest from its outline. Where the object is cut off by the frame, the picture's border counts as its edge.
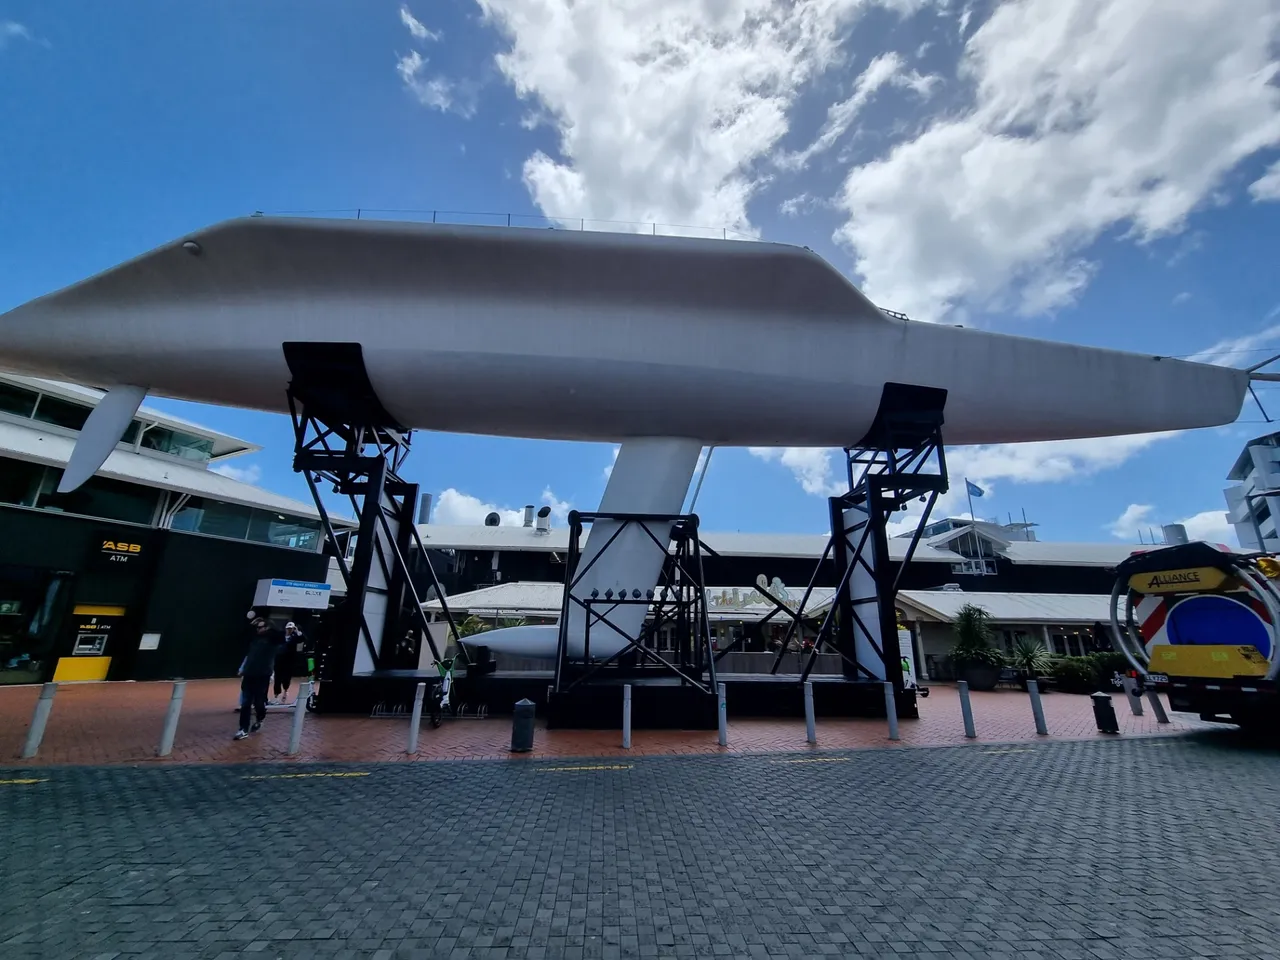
(104, 723)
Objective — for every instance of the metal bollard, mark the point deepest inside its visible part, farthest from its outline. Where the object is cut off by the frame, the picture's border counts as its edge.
(415, 723)
(891, 710)
(626, 716)
(1037, 708)
(1104, 713)
(171, 719)
(966, 709)
(522, 722)
(299, 714)
(1131, 693)
(810, 733)
(1157, 707)
(722, 708)
(38, 721)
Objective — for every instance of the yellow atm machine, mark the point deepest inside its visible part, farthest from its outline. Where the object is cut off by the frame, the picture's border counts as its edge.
(1198, 622)
(90, 655)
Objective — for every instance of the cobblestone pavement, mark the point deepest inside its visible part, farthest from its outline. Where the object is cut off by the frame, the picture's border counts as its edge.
(1163, 848)
(121, 722)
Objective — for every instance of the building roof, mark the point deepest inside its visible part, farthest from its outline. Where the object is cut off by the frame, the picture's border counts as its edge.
(53, 449)
(806, 546)
(943, 605)
(224, 445)
(539, 599)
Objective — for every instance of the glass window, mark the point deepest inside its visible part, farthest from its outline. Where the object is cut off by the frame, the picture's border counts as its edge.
(217, 519)
(62, 413)
(100, 497)
(17, 400)
(183, 445)
(1059, 644)
(20, 482)
(283, 530)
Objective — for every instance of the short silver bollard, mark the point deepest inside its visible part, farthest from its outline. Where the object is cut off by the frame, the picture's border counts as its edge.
(299, 714)
(1131, 694)
(1157, 707)
(722, 709)
(626, 716)
(966, 709)
(810, 728)
(523, 718)
(171, 719)
(891, 710)
(38, 721)
(415, 722)
(1037, 708)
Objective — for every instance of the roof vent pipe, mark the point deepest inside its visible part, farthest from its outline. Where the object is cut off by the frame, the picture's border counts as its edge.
(528, 515)
(544, 520)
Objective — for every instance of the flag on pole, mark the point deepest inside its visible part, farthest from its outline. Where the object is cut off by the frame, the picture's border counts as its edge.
(973, 489)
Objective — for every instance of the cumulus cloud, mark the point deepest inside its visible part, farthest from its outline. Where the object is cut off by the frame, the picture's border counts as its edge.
(455, 507)
(1210, 525)
(1267, 187)
(415, 26)
(1136, 516)
(813, 467)
(665, 109)
(250, 474)
(1087, 116)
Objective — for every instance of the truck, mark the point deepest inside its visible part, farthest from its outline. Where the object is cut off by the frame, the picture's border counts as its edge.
(1198, 622)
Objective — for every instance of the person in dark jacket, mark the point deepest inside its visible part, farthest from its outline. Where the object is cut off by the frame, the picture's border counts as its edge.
(286, 662)
(255, 674)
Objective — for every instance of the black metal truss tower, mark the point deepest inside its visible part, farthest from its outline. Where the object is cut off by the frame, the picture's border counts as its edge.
(900, 460)
(678, 601)
(344, 436)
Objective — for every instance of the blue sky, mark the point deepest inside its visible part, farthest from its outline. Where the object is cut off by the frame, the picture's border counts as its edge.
(1095, 171)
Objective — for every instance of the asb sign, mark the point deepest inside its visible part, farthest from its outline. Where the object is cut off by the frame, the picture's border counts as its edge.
(293, 594)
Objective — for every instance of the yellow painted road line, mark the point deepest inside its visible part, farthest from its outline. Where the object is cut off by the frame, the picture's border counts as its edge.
(1019, 750)
(607, 766)
(27, 780)
(301, 776)
(815, 760)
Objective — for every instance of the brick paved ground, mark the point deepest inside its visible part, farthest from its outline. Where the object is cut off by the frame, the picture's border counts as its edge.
(115, 723)
(1134, 848)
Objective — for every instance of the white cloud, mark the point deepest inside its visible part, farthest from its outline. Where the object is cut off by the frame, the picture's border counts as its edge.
(250, 474)
(1181, 298)
(435, 92)
(1210, 525)
(608, 471)
(813, 467)
(455, 507)
(1237, 351)
(11, 30)
(1087, 116)
(884, 69)
(1136, 516)
(416, 27)
(665, 108)
(1267, 187)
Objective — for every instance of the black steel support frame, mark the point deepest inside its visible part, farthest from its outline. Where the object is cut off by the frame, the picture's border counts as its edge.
(883, 479)
(339, 454)
(679, 598)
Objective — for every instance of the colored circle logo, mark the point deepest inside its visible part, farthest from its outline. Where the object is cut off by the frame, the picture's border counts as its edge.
(1218, 620)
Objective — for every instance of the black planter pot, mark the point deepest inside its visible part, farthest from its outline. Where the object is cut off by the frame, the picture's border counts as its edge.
(979, 676)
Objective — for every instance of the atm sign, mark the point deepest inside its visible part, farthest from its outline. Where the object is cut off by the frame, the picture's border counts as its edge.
(120, 551)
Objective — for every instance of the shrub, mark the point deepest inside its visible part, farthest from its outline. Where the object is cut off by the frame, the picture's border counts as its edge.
(1106, 665)
(1031, 658)
(1076, 674)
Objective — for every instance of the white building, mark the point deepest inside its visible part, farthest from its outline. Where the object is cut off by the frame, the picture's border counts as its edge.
(1254, 499)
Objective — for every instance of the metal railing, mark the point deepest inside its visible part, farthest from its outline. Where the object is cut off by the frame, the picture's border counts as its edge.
(531, 221)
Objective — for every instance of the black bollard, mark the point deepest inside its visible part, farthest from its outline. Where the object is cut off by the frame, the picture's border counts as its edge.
(1104, 713)
(522, 727)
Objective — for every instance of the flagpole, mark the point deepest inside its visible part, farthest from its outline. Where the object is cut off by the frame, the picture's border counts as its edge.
(972, 518)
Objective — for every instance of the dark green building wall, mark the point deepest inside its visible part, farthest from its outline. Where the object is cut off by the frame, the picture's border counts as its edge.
(192, 590)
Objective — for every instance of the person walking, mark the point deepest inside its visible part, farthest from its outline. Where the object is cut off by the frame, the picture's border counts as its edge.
(286, 661)
(255, 675)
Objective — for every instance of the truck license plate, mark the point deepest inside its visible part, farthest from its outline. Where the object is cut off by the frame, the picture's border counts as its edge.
(1157, 678)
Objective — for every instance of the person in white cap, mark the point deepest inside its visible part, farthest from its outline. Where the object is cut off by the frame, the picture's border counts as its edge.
(285, 661)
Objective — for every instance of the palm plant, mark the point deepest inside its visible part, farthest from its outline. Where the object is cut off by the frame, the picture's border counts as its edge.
(1030, 658)
(975, 642)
